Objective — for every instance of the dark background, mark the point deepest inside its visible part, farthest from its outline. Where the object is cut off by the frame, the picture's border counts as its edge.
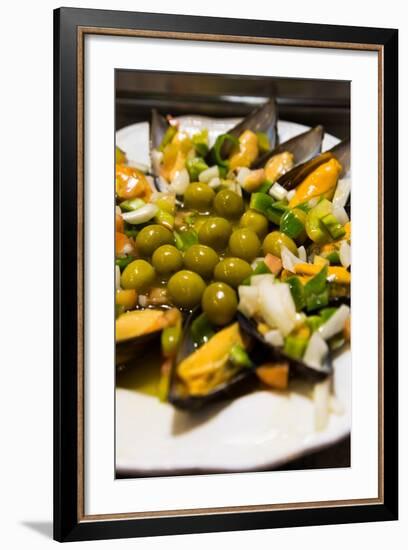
(306, 101)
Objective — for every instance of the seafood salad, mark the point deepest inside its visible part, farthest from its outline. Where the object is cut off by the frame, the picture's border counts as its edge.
(233, 257)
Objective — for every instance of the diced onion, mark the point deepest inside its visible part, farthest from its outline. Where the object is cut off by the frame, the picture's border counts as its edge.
(321, 395)
(141, 215)
(157, 157)
(290, 194)
(242, 175)
(142, 300)
(289, 260)
(209, 174)
(180, 182)
(256, 280)
(248, 300)
(302, 253)
(345, 254)
(274, 338)
(117, 277)
(335, 324)
(214, 183)
(316, 351)
(340, 213)
(342, 193)
(278, 192)
(276, 306)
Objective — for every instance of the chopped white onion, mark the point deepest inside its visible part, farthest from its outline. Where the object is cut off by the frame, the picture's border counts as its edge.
(335, 324)
(289, 260)
(341, 215)
(127, 248)
(345, 254)
(290, 194)
(321, 398)
(342, 193)
(139, 166)
(242, 175)
(256, 280)
(278, 192)
(248, 300)
(118, 210)
(312, 202)
(316, 351)
(117, 277)
(141, 215)
(214, 183)
(274, 338)
(276, 306)
(142, 300)
(302, 253)
(180, 182)
(209, 174)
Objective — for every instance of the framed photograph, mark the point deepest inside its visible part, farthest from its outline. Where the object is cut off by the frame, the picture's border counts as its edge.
(225, 274)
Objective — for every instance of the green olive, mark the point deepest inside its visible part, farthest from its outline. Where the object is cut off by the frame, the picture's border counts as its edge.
(167, 259)
(199, 196)
(139, 275)
(201, 259)
(244, 243)
(186, 288)
(273, 242)
(151, 237)
(232, 271)
(255, 221)
(229, 204)
(219, 303)
(215, 233)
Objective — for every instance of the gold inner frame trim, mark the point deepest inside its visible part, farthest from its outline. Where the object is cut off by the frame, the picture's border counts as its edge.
(81, 33)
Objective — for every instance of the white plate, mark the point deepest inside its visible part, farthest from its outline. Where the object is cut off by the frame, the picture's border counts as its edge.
(260, 430)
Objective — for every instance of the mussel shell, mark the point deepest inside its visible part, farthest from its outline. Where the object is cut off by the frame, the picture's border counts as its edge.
(265, 352)
(294, 177)
(238, 385)
(134, 347)
(303, 147)
(263, 119)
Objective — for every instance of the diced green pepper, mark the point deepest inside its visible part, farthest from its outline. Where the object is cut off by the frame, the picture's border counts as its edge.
(261, 202)
(131, 205)
(333, 226)
(239, 357)
(292, 223)
(314, 322)
(123, 262)
(315, 229)
(333, 257)
(216, 151)
(297, 291)
(200, 142)
(201, 330)
(168, 137)
(263, 142)
(264, 188)
(260, 269)
(295, 346)
(317, 291)
(185, 239)
(327, 312)
(195, 166)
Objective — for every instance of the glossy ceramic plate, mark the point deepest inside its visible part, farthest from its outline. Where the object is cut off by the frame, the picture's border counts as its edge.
(258, 431)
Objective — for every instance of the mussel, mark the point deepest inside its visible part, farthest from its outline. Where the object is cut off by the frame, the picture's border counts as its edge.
(139, 328)
(298, 174)
(303, 147)
(239, 382)
(264, 351)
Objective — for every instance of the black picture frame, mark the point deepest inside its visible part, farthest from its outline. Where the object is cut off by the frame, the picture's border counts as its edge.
(68, 523)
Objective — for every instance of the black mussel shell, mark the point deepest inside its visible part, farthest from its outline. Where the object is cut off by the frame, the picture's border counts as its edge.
(240, 384)
(263, 119)
(294, 177)
(134, 347)
(265, 352)
(303, 147)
